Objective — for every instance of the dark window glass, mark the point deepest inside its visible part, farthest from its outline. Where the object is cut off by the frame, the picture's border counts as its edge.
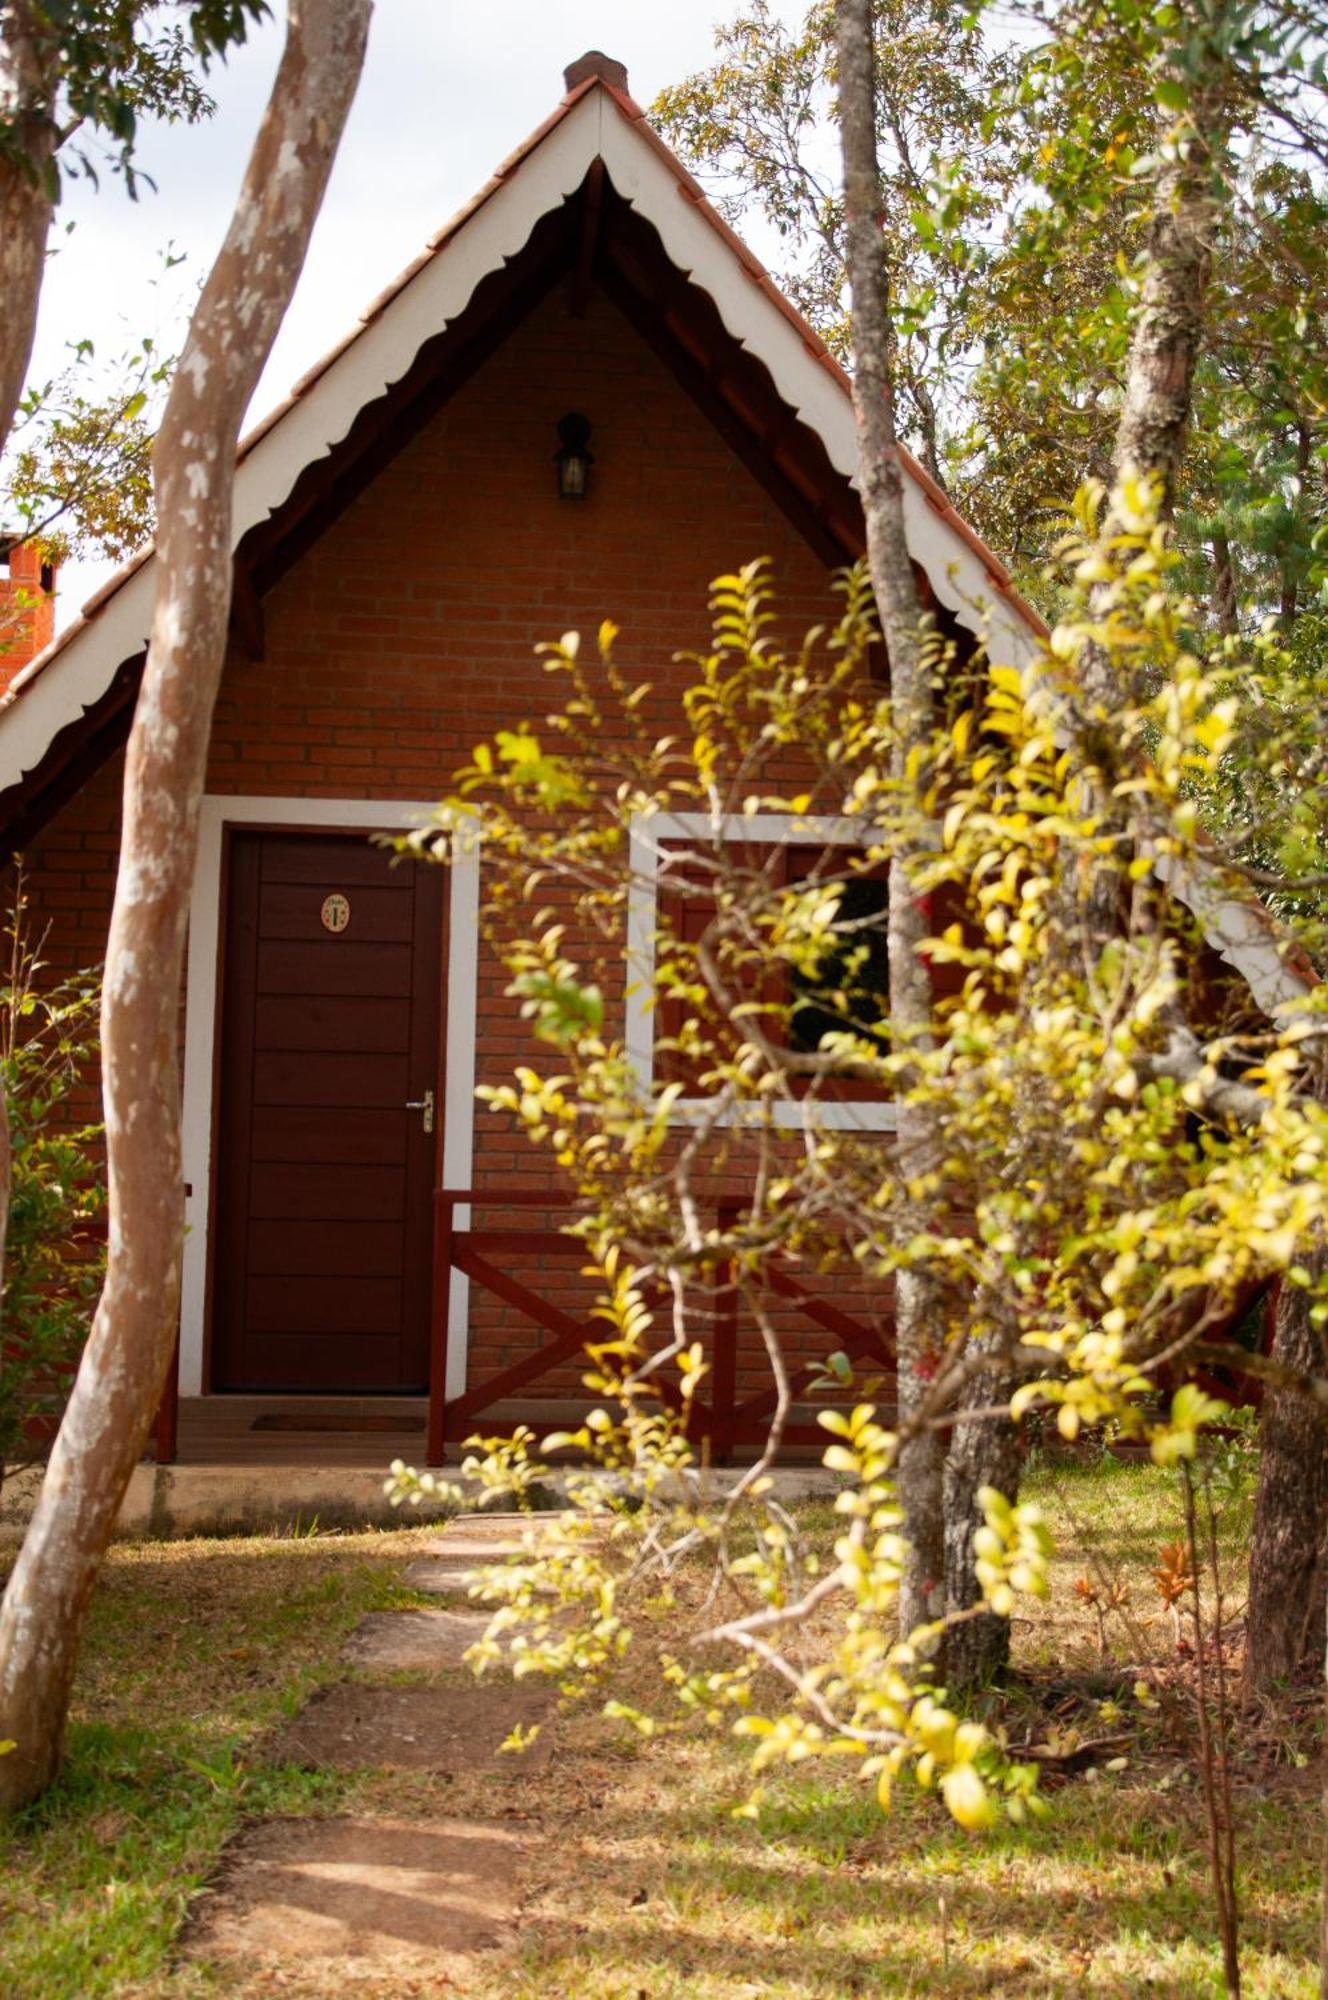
(848, 989)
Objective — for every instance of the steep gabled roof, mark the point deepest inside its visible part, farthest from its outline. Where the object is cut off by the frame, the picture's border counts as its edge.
(596, 121)
(66, 710)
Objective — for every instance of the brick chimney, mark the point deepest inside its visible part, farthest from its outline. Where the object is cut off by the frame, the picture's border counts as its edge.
(595, 63)
(27, 605)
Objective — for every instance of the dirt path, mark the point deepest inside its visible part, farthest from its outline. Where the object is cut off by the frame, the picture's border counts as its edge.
(370, 1903)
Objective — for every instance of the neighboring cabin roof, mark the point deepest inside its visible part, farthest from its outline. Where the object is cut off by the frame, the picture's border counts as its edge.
(597, 121)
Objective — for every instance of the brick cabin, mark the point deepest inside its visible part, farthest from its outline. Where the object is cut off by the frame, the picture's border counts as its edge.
(401, 547)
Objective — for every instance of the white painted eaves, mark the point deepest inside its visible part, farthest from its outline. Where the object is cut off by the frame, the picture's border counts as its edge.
(59, 686)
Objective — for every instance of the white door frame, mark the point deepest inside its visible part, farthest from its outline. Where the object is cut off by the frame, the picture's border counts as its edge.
(202, 1008)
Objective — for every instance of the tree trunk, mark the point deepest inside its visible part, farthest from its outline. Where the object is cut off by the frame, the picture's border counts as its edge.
(27, 184)
(984, 1451)
(919, 1304)
(1323, 1868)
(1284, 1622)
(1224, 585)
(1289, 602)
(1168, 333)
(27, 171)
(133, 1334)
(1159, 382)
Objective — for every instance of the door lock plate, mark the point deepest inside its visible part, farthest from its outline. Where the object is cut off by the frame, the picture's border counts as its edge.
(424, 1104)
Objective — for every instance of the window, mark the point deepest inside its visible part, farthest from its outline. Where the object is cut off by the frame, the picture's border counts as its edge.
(849, 987)
(846, 988)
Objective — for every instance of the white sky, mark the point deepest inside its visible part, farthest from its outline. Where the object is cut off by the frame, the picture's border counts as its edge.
(447, 92)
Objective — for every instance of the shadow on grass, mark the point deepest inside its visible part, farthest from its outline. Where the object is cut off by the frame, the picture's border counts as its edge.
(846, 1902)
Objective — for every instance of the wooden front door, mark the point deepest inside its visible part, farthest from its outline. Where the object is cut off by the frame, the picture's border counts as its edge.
(329, 1029)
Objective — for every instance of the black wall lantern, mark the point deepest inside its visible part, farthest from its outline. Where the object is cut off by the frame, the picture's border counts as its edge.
(573, 457)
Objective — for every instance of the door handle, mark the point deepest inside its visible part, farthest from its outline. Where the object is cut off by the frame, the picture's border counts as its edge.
(424, 1104)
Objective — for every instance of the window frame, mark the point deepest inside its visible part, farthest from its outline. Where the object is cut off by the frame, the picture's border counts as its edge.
(651, 834)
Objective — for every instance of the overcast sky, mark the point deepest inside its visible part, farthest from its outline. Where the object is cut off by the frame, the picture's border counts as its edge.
(447, 92)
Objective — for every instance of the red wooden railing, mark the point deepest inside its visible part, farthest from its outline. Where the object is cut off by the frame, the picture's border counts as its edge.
(723, 1420)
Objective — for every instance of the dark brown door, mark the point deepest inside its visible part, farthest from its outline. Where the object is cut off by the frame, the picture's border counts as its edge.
(330, 1008)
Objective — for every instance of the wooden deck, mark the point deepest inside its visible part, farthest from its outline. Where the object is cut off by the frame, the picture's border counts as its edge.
(302, 1430)
(368, 1432)
(360, 1431)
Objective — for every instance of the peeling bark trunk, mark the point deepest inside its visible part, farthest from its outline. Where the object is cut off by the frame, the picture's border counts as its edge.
(919, 1306)
(27, 200)
(1150, 438)
(1150, 445)
(984, 1451)
(1323, 1868)
(1159, 381)
(133, 1333)
(27, 189)
(1284, 1622)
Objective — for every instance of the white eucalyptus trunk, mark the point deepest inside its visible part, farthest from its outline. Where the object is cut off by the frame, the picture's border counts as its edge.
(27, 188)
(27, 199)
(920, 1306)
(133, 1334)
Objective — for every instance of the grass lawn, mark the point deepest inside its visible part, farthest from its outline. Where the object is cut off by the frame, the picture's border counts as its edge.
(645, 1883)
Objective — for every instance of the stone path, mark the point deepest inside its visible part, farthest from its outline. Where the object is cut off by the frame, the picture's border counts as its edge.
(438, 1578)
(351, 1727)
(343, 1900)
(415, 1641)
(450, 1561)
(374, 1899)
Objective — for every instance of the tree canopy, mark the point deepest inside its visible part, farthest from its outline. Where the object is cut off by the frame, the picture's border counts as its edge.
(1018, 149)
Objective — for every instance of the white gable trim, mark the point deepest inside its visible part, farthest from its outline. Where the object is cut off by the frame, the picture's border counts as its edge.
(1241, 933)
(202, 1009)
(53, 693)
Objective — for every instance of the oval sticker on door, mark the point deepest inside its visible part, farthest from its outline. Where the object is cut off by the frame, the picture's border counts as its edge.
(335, 913)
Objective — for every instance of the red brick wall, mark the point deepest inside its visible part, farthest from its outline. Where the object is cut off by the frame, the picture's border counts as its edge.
(407, 633)
(410, 630)
(70, 872)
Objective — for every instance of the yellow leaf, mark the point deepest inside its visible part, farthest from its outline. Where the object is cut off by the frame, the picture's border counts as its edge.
(969, 1801)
